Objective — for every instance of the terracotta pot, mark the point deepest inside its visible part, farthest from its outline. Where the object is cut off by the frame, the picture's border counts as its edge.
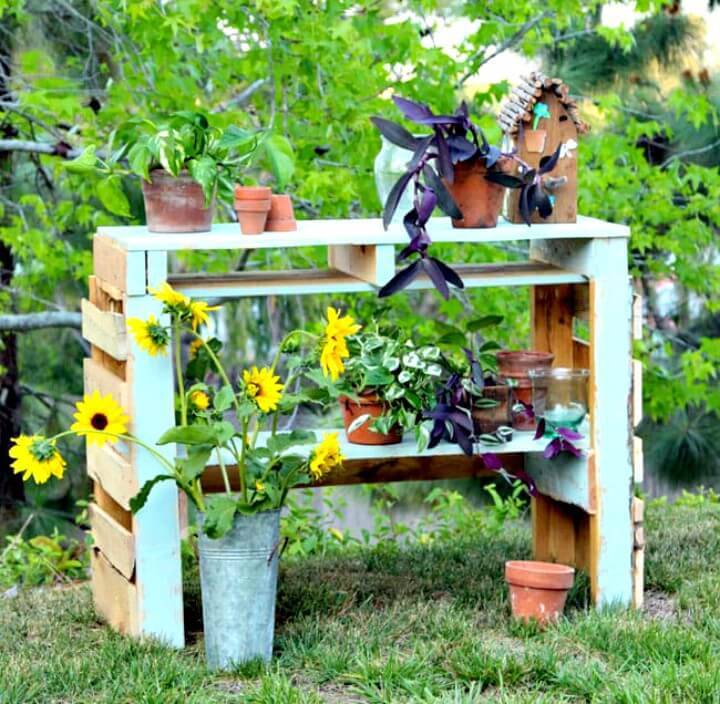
(370, 405)
(514, 365)
(488, 420)
(538, 590)
(252, 204)
(535, 140)
(479, 200)
(176, 203)
(281, 217)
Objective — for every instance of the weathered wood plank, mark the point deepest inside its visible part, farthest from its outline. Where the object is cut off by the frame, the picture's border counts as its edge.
(581, 354)
(372, 263)
(552, 322)
(104, 330)
(114, 596)
(113, 473)
(98, 378)
(114, 540)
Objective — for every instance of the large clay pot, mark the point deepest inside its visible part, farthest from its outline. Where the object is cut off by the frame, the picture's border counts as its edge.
(368, 404)
(480, 201)
(514, 366)
(252, 204)
(538, 590)
(488, 420)
(176, 203)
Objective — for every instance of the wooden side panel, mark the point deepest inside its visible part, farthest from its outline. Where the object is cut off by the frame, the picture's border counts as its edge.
(581, 354)
(113, 473)
(104, 330)
(374, 264)
(638, 563)
(552, 326)
(115, 542)
(120, 270)
(97, 378)
(114, 596)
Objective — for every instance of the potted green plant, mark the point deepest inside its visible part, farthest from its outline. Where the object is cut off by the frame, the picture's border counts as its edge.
(384, 384)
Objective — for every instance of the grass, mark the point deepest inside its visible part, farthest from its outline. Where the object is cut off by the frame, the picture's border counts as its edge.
(418, 624)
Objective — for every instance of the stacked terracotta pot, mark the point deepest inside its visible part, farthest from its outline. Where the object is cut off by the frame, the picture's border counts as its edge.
(259, 210)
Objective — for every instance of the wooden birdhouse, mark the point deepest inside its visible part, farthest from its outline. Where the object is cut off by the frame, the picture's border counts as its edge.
(538, 117)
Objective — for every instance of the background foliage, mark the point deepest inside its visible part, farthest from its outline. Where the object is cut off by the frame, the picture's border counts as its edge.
(73, 70)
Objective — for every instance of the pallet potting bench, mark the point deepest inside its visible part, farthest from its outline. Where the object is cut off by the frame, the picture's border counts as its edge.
(585, 515)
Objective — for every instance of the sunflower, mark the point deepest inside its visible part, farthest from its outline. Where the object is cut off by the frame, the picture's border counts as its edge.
(199, 312)
(259, 487)
(98, 418)
(335, 348)
(194, 348)
(326, 456)
(263, 387)
(200, 400)
(170, 297)
(149, 335)
(36, 457)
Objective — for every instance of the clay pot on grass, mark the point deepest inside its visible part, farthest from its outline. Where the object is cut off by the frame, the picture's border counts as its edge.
(535, 140)
(252, 204)
(513, 366)
(281, 217)
(372, 406)
(176, 203)
(489, 419)
(538, 590)
(480, 201)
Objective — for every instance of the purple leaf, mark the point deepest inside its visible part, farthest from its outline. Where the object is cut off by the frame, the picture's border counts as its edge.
(445, 120)
(549, 165)
(412, 110)
(524, 204)
(462, 111)
(540, 430)
(429, 201)
(420, 152)
(464, 440)
(403, 278)
(543, 203)
(445, 166)
(436, 276)
(461, 149)
(395, 133)
(451, 276)
(529, 176)
(445, 200)
(491, 461)
(410, 222)
(503, 179)
(569, 433)
(526, 479)
(394, 198)
(553, 449)
(567, 446)
(491, 156)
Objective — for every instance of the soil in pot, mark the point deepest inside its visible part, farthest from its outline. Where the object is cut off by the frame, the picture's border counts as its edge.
(252, 204)
(513, 366)
(372, 406)
(281, 217)
(176, 203)
(489, 419)
(480, 201)
(538, 590)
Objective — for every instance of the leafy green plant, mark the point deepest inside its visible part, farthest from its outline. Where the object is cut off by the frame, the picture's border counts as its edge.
(184, 141)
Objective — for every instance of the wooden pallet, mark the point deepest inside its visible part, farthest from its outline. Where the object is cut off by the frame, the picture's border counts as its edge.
(585, 515)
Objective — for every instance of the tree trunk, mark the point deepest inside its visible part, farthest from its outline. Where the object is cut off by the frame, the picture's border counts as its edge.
(11, 487)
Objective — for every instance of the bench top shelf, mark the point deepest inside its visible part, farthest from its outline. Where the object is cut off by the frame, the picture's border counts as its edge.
(358, 231)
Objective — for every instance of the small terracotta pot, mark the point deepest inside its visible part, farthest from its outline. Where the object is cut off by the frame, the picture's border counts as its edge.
(535, 140)
(538, 590)
(480, 201)
(370, 405)
(281, 217)
(514, 365)
(488, 420)
(252, 204)
(176, 203)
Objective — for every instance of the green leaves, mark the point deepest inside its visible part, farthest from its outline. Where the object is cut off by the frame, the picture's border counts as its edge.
(86, 163)
(280, 155)
(213, 434)
(140, 499)
(219, 515)
(223, 399)
(204, 170)
(140, 158)
(112, 196)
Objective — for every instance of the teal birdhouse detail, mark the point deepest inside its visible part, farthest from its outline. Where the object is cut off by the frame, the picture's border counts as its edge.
(540, 111)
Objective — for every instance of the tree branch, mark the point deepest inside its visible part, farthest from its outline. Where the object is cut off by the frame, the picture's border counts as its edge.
(38, 321)
(24, 145)
(690, 152)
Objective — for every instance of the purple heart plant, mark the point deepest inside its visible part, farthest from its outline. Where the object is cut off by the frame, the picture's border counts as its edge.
(561, 440)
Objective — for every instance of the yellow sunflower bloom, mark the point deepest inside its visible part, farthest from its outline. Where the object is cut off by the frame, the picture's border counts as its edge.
(326, 456)
(259, 487)
(263, 387)
(335, 348)
(200, 400)
(98, 418)
(37, 458)
(199, 312)
(170, 297)
(149, 335)
(195, 345)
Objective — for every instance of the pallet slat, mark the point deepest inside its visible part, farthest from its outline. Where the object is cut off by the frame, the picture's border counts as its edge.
(113, 472)
(374, 264)
(98, 378)
(114, 596)
(108, 331)
(115, 542)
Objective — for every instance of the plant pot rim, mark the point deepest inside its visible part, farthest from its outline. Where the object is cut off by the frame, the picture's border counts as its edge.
(520, 354)
(539, 575)
(252, 192)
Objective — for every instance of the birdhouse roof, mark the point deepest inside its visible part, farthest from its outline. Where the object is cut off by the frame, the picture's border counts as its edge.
(518, 108)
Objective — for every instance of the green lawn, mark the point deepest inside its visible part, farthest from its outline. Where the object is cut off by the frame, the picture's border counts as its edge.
(419, 624)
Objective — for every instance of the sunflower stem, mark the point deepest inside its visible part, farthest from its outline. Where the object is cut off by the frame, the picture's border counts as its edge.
(219, 367)
(241, 464)
(226, 481)
(179, 371)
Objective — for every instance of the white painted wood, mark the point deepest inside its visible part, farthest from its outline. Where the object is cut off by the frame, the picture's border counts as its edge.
(356, 231)
(311, 281)
(156, 527)
(605, 260)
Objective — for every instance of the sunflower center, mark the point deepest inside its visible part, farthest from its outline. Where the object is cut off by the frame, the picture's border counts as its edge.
(99, 421)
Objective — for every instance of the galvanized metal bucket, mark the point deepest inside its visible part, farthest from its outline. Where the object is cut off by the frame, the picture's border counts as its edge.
(238, 578)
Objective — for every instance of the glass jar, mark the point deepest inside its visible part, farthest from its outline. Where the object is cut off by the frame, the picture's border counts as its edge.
(560, 396)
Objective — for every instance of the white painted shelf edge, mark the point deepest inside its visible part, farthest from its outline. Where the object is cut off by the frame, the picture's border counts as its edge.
(359, 231)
